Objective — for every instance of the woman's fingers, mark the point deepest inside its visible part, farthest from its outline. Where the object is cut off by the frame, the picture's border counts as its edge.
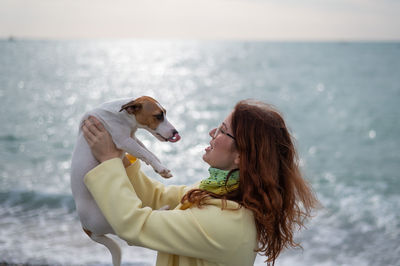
(96, 123)
(92, 129)
(88, 135)
(99, 140)
(93, 125)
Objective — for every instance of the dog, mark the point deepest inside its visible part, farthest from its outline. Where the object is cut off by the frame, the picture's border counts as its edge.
(121, 118)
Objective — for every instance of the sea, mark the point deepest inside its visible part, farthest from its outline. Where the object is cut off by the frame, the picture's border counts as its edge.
(341, 101)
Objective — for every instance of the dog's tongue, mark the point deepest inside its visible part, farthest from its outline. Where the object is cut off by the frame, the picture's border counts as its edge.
(175, 138)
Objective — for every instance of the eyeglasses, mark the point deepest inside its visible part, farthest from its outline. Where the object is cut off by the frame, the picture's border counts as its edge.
(219, 129)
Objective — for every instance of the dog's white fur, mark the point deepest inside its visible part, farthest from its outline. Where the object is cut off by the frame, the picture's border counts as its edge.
(122, 125)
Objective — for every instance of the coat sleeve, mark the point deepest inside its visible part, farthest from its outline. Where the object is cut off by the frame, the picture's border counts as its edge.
(180, 232)
(152, 193)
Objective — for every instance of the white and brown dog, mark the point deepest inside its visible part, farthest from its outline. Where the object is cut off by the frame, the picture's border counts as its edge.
(121, 118)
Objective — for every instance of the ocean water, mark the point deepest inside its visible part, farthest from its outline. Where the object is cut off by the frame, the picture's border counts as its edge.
(340, 100)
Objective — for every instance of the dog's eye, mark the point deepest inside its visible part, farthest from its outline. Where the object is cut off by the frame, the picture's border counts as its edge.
(159, 117)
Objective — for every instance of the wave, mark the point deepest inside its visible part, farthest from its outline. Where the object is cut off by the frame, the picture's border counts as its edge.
(11, 138)
(33, 200)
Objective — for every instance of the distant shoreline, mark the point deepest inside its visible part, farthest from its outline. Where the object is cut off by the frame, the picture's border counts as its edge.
(12, 39)
(2, 263)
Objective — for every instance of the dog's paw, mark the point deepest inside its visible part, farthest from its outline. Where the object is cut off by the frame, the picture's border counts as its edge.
(165, 173)
(162, 171)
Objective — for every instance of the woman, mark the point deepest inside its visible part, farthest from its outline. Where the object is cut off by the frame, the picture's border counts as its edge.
(253, 201)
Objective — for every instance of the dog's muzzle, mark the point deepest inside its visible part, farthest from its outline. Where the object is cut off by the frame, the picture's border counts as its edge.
(175, 137)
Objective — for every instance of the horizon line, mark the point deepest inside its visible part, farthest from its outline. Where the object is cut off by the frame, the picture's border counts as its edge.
(233, 39)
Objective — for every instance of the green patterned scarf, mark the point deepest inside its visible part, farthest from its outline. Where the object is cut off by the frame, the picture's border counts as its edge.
(217, 184)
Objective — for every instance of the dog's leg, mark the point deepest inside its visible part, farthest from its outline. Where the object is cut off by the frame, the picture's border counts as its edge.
(132, 147)
(112, 246)
(141, 144)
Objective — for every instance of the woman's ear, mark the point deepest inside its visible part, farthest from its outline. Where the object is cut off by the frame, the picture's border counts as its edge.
(237, 159)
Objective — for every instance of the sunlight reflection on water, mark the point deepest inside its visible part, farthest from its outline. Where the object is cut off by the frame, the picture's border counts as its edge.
(345, 122)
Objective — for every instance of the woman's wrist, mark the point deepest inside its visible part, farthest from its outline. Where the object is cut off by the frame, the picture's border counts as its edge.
(107, 157)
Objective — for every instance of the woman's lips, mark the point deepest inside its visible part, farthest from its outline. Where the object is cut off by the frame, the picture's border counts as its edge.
(209, 148)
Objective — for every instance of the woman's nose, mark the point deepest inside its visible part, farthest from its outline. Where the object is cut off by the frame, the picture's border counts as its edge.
(212, 132)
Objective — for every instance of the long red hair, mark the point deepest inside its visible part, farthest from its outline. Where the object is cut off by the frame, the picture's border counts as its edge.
(271, 184)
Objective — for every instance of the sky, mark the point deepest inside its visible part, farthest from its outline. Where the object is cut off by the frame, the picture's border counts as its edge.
(317, 20)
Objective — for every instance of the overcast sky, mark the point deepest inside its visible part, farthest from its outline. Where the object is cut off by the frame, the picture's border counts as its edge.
(201, 19)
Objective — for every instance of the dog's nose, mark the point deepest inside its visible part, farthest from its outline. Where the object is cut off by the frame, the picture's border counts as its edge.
(175, 136)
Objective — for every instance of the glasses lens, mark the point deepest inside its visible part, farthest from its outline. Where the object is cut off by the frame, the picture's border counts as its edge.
(216, 132)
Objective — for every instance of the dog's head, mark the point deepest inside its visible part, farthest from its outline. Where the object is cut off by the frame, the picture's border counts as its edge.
(151, 115)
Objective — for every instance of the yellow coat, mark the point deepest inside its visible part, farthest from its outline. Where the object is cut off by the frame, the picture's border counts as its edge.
(205, 236)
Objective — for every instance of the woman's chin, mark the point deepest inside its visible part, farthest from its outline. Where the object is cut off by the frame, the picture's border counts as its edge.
(205, 157)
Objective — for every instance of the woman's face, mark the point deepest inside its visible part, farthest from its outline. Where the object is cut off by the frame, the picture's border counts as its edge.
(222, 153)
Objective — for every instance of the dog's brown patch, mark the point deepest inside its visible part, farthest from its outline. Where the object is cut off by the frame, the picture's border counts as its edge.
(148, 111)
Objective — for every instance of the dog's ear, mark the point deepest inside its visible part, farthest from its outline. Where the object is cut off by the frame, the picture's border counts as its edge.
(132, 107)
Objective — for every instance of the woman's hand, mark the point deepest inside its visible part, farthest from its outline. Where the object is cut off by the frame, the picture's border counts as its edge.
(99, 140)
